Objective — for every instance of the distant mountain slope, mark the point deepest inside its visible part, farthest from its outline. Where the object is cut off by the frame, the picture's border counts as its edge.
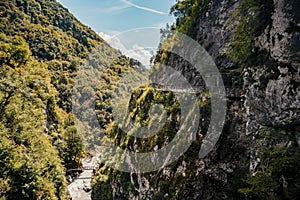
(53, 35)
(50, 30)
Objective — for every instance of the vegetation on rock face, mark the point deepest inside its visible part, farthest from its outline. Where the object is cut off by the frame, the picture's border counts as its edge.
(140, 112)
(278, 174)
(187, 15)
(250, 19)
(246, 19)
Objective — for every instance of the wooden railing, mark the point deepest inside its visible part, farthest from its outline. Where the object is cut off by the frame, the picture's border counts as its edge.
(83, 168)
(232, 91)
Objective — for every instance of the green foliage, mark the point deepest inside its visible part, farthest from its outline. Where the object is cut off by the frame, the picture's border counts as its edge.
(105, 178)
(278, 176)
(188, 13)
(250, 19)
(140, 106)
(50, 30)
(244, 33)
(39, 62)
(53, 34)
(30, 166)
(14, 53)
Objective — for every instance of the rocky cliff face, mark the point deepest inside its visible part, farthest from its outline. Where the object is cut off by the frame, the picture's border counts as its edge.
(272, 95)
(257, 42)
(275, 84)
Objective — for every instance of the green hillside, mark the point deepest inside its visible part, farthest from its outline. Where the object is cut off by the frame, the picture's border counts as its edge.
(49, 29)
(42, 46)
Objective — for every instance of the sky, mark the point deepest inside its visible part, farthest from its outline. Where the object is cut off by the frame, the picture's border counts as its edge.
(113, 16)
(132, 26)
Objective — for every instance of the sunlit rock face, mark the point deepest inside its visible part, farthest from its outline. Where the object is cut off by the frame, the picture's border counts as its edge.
(269, 99)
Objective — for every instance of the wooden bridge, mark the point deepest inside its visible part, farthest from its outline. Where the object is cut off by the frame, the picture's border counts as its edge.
(87, 168)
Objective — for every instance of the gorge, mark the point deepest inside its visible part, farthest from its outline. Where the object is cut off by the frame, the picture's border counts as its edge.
(254, 45)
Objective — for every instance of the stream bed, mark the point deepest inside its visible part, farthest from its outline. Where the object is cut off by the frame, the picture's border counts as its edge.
(80, 188)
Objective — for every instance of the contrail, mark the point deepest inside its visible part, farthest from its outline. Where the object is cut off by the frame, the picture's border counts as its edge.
(143, 8)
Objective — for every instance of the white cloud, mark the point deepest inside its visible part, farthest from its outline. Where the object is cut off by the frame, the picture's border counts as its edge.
(132, 43)
(135, 51)
(143, 8)
(104, 36)
(141, 54)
